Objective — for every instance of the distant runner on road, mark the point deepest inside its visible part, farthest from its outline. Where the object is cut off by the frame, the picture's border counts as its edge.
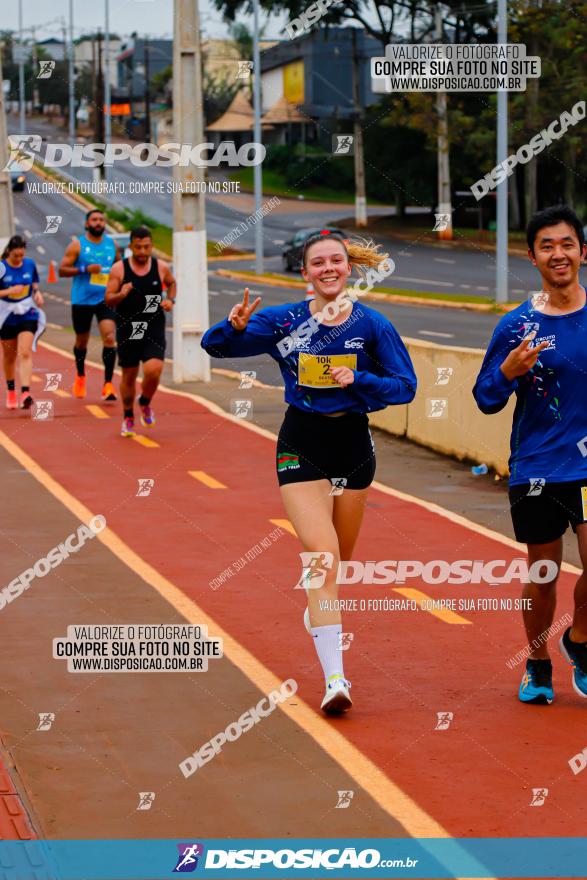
(87, 260)
(539, 353)
(135, 292)
(339, 360)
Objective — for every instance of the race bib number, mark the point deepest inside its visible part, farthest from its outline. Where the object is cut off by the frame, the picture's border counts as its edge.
(314, 369)
(25, 292)
(100, 279)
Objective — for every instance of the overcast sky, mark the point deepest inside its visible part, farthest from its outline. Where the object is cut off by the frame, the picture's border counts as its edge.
(147, 17)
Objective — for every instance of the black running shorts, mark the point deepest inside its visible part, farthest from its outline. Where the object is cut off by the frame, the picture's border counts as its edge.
(140, 341)
(312, 446)
(543, 513)
(81, 316)
(11, 331)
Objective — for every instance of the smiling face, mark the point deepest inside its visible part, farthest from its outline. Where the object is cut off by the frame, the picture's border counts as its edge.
(557, 255)
(327, 267)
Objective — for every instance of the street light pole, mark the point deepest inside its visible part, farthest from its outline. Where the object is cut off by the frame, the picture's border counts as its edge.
(6, 209)
(21, 96)
(107, 88)
(71, 74)
(501, 244)
(257, 136)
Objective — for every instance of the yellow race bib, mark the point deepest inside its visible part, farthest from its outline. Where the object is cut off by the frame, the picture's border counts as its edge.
(99, 278)
(13, 297)
(314, 369)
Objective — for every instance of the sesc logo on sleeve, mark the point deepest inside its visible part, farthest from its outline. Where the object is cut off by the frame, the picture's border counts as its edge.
(314, 369)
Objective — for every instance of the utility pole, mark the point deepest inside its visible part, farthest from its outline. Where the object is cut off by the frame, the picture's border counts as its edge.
(501, 236)
(258, 181)
(100, 102)
(146, 53)
(107, 84)
(94, 96)
(36, 99)
(444, 197)
(71, 75)
(360, 194)
(6, 210)
(21, 93)
(190, 315)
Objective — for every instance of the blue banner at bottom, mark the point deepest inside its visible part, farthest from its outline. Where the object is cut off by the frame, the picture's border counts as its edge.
(416, 858)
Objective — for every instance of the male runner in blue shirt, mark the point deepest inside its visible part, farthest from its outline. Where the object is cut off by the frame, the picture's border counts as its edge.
(539, 352)
(88, 260)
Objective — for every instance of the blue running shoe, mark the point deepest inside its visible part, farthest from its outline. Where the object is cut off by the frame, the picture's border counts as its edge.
(536, 684)
(576, 654)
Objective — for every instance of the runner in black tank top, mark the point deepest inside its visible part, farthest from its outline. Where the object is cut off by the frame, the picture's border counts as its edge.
(140, 317)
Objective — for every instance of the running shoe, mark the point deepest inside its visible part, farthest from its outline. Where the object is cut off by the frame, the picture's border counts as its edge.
(147, 416)
(11, 400)
(108, 391)
(26, 401)
(576, 654)
(128, 428)
(536, 684)
(79, 387)
(337, 698)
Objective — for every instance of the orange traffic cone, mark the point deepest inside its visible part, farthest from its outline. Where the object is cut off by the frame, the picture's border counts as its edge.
(309, 291)
(52, 276)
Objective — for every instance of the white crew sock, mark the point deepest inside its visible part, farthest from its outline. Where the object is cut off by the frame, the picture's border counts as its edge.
(327, 644)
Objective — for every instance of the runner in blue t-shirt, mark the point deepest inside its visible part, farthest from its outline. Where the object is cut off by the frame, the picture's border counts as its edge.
(19, 319)
(88, 260)
(539, 352)
(339, 360)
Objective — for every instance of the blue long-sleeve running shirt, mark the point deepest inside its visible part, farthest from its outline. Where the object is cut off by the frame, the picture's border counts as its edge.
(305, 351)
(549, 433)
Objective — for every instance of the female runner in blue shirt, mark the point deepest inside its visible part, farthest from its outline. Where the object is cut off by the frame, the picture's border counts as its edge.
(337, 367)
(19, 319)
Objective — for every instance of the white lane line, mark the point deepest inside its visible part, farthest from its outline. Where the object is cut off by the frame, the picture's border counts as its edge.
(482, 288)
(404, 254)
(213, 293)
(41, 249)
(443, 260)
(278, 241)
(436, 333)
(28, 233)
(466, 286)
(423, 281)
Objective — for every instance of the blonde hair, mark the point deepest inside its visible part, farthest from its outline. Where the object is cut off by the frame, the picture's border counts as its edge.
(362, 253)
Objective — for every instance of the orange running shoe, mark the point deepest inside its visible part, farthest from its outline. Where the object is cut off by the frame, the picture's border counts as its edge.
(11, 400)
(79, 387)
(108, 391)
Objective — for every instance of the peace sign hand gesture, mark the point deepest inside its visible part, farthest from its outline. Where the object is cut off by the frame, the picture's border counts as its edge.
(522, 358)
(239, 315)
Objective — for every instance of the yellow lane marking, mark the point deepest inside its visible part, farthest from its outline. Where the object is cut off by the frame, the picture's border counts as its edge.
(97, 411)
(284, 524)
(61, 393)
(207, 480)
(36, 378)
(145, 441)
(354, 763)
(444, 614)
